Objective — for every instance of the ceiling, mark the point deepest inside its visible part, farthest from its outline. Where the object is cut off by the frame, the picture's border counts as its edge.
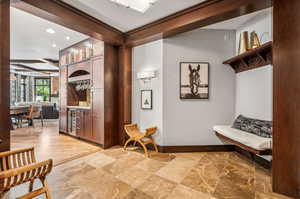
(30, 41)
(126, 19)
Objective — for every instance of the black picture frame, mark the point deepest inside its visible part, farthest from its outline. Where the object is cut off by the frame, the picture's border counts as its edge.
(144, 94)
(183, 85)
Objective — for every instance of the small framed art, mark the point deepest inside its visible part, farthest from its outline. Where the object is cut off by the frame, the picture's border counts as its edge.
(146, 99)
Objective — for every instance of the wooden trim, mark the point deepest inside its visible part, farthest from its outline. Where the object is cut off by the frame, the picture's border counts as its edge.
(242, 146)
(82, 139)
(27, 61)
(286, 98)
(62, 13)
(258, 57)
(203, 14)
(254, 158)
(124, 90)
(4, 75)
(34, 69)
(196, 148)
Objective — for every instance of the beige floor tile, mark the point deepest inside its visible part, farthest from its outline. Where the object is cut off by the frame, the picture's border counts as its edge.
(192, 156)
(130, 160)
(162, 157)
(114, 173)
(177, 169)
(157, 187)
(137, 194)
(151, 165)
(181, 192)
(205, 175)
(104, 185)
(238, 182)
(100, 160)
(134, 176)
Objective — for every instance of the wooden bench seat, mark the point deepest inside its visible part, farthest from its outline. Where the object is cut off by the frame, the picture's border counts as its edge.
(247, 141)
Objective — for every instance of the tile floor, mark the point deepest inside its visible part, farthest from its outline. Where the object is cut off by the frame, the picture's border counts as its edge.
(118, 174)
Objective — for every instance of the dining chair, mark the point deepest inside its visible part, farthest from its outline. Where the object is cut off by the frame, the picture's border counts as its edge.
(34, 113)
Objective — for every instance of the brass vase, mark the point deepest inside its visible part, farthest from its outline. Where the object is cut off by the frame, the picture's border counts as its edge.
(244, 42)
(254, 40)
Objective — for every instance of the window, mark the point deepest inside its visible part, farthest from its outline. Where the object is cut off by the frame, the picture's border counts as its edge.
(23, 89)
(42, 89)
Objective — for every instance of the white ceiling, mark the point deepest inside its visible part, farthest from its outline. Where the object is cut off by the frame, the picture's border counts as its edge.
(29, 39)
(126, 19)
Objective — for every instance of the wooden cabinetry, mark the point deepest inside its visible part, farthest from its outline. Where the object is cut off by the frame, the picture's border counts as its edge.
(63, 99)
(99, 123)
(84, 124)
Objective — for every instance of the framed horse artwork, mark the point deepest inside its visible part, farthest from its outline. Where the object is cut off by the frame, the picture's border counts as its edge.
(194, 80)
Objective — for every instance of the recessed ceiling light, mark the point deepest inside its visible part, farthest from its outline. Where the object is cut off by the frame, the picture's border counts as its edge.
(68, 38)
(54, 45)
(50, 30)
(138, 5)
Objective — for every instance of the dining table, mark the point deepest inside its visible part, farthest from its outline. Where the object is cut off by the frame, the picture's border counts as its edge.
(15, 112)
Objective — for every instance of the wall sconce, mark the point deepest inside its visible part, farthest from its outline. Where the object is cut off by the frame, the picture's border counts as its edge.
(146, 76)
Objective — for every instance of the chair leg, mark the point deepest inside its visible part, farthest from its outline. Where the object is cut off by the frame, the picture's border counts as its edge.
(47, 191)
(127, 142)
(42, 120)
(134, 143)
(144, 147)
(31, 186)
(155, 146)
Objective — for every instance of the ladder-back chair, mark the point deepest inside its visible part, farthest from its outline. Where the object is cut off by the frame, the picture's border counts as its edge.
(20, 166)
(34, 112)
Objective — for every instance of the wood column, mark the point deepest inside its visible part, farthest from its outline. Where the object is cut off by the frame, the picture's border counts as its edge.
(4, 75)
(125, 90)
(286, 106)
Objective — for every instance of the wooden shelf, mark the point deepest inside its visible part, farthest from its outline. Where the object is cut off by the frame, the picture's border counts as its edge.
(251, 59)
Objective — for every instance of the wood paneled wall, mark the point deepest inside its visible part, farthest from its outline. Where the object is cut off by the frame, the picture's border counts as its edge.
(286, 106)
(124, 90)
(4, 74)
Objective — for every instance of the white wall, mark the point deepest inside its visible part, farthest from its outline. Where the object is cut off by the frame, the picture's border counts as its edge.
(254, 87)
(190, 122)
(148, 56)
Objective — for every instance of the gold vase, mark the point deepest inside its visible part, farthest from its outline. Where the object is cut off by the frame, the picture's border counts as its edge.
(244, 42)
(254, 40)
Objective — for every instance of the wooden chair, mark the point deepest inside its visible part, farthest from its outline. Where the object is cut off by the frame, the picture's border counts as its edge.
(20, 166)
(34, 112)
(137, 136)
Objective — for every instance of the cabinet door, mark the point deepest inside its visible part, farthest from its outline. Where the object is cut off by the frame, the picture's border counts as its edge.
(98, 73)
(98, 115)
(98, 130)
(79, 123)
(87, 129)
(63, 100)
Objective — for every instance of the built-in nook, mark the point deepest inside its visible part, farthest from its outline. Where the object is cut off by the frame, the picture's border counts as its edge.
(88, 92)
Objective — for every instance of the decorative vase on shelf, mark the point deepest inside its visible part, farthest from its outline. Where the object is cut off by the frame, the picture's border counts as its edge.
(244, 42)
(254, 40)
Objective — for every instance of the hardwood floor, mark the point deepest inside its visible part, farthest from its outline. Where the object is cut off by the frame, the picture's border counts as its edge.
(49, 143)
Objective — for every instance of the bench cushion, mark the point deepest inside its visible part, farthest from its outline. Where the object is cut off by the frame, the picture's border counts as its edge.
(245, 138)
(261, 128)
